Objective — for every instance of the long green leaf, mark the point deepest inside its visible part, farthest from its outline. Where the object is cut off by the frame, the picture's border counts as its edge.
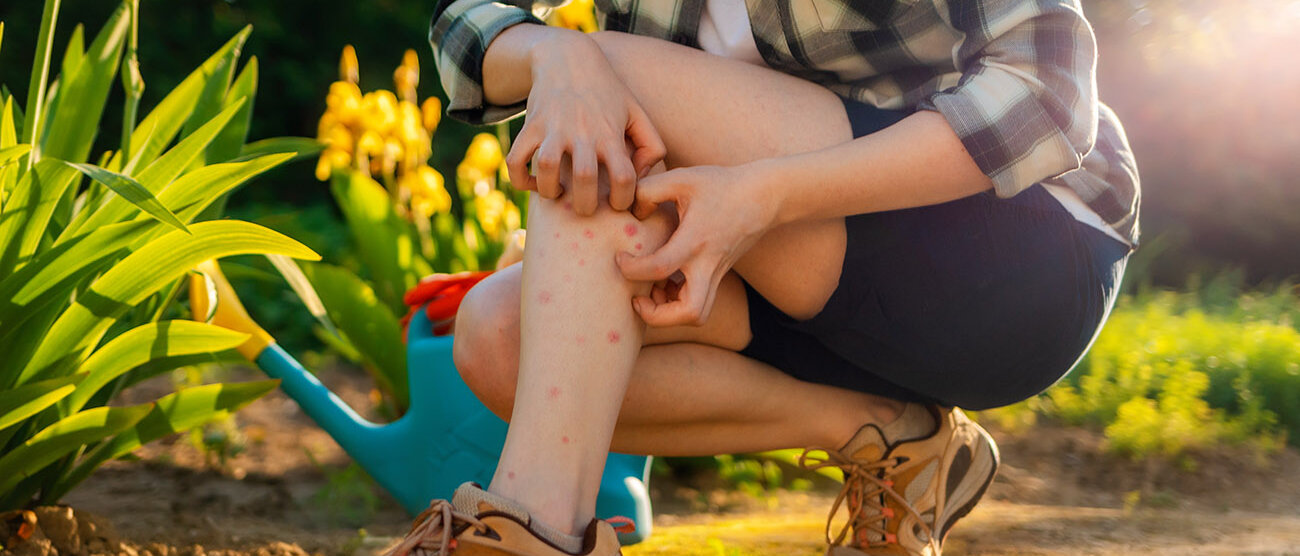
(171, 414)
(40, 75)
(385, 242)
(194, 191)
(366, 322)
(55, 272)
(213, 96)
(301, 147)
(144, 343)
(64, 437)
(298, 282)
(8, 131)
(75, 112)
(131, 191)
(158, 175)
(162, 124)
(138, 276)
(10, 154)
(29, 399)
(76, 51)
(28, 210)
(227, 145)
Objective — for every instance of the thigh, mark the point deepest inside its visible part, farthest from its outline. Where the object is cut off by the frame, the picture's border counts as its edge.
(713, 111)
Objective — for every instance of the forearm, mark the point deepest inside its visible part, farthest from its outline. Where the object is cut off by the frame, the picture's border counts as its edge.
(917, 162)
(515, 55)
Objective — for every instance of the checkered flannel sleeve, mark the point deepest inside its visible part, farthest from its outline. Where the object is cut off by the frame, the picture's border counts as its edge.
(1026, 104)
(460, 34)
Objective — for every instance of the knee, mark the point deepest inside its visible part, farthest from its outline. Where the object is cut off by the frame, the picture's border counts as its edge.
(486, 346)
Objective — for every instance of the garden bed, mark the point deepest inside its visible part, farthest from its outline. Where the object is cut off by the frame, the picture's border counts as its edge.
(290, 491)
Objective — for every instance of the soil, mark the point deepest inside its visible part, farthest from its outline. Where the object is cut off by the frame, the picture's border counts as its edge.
(291, 491)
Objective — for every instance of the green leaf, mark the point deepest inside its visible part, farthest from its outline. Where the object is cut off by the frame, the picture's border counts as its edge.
(139, 275)
(74, 114)
(65, 437)
(40, 74)
(227, 145)
(130, 190)
(178, 412)
(145, 343)
(385, 242)
(76, 51)
(13, 153)
(158, 175)
(212, 97)
(29, 399)
(158, 129)
(301, 147)
(301, 286)
(367, 323)
(8, 133)
(194, 191)
(54, 273)
(28, 210)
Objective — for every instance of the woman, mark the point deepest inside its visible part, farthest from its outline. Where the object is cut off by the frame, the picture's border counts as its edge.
(774, 224)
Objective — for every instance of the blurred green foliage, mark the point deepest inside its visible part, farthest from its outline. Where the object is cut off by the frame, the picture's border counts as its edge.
(1175, 373)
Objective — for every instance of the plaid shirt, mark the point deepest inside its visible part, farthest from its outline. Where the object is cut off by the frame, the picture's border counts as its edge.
(1014, 78)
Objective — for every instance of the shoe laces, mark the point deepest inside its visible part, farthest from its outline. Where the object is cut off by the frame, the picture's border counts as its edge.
(866, 485)
(431, 533)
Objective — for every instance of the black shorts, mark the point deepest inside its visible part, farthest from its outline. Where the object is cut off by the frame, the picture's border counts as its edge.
(978, 303)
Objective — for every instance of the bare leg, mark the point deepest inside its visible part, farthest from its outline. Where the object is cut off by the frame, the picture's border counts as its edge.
(580, 339)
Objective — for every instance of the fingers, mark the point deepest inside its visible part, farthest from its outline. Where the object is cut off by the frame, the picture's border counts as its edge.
(653, 190)
(549, 156)
(649, 147)
(584, 180)
(622, 176)
(521, 153)
(658, 265)
(691, 306)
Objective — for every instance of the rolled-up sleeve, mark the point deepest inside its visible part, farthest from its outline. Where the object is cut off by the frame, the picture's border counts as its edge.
(460, 34)
(1026, 104)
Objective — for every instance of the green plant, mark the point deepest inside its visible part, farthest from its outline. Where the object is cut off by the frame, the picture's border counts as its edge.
(90, 272)
(1174, 373)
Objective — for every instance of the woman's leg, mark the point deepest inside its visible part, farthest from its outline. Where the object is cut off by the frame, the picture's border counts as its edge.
(579, 338)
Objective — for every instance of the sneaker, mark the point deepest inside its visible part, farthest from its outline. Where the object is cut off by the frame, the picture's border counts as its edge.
(903, 497)
(476, 523)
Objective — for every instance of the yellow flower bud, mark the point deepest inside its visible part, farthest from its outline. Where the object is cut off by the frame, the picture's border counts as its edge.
(349, 69)
(380, 110)
(407, 75)
(323, 169)
(371, 143)
(484, 153)
(432, 110)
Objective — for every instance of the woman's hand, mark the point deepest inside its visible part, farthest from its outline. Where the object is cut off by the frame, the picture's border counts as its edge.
(579, 109)
(721, 213)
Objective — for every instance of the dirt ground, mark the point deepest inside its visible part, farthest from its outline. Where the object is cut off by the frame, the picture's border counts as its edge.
(290, 492)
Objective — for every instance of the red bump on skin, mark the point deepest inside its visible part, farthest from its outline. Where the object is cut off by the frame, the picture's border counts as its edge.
(568, 205)
(613, 336)
(553, 393)
(557, 234)
(565, 440)
(630, 230)
(588, 234)
(573, 246)
(568, 278)
(582, 262)
(638, 247)
(580, 339)
(510, 474)
(544, 297)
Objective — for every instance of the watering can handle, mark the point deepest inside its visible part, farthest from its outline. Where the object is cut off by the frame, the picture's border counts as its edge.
(214, 300)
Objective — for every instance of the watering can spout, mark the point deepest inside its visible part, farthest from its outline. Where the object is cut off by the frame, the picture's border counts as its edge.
(212, 298)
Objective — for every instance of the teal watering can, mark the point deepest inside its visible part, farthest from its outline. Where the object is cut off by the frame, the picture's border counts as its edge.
(445, 438)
